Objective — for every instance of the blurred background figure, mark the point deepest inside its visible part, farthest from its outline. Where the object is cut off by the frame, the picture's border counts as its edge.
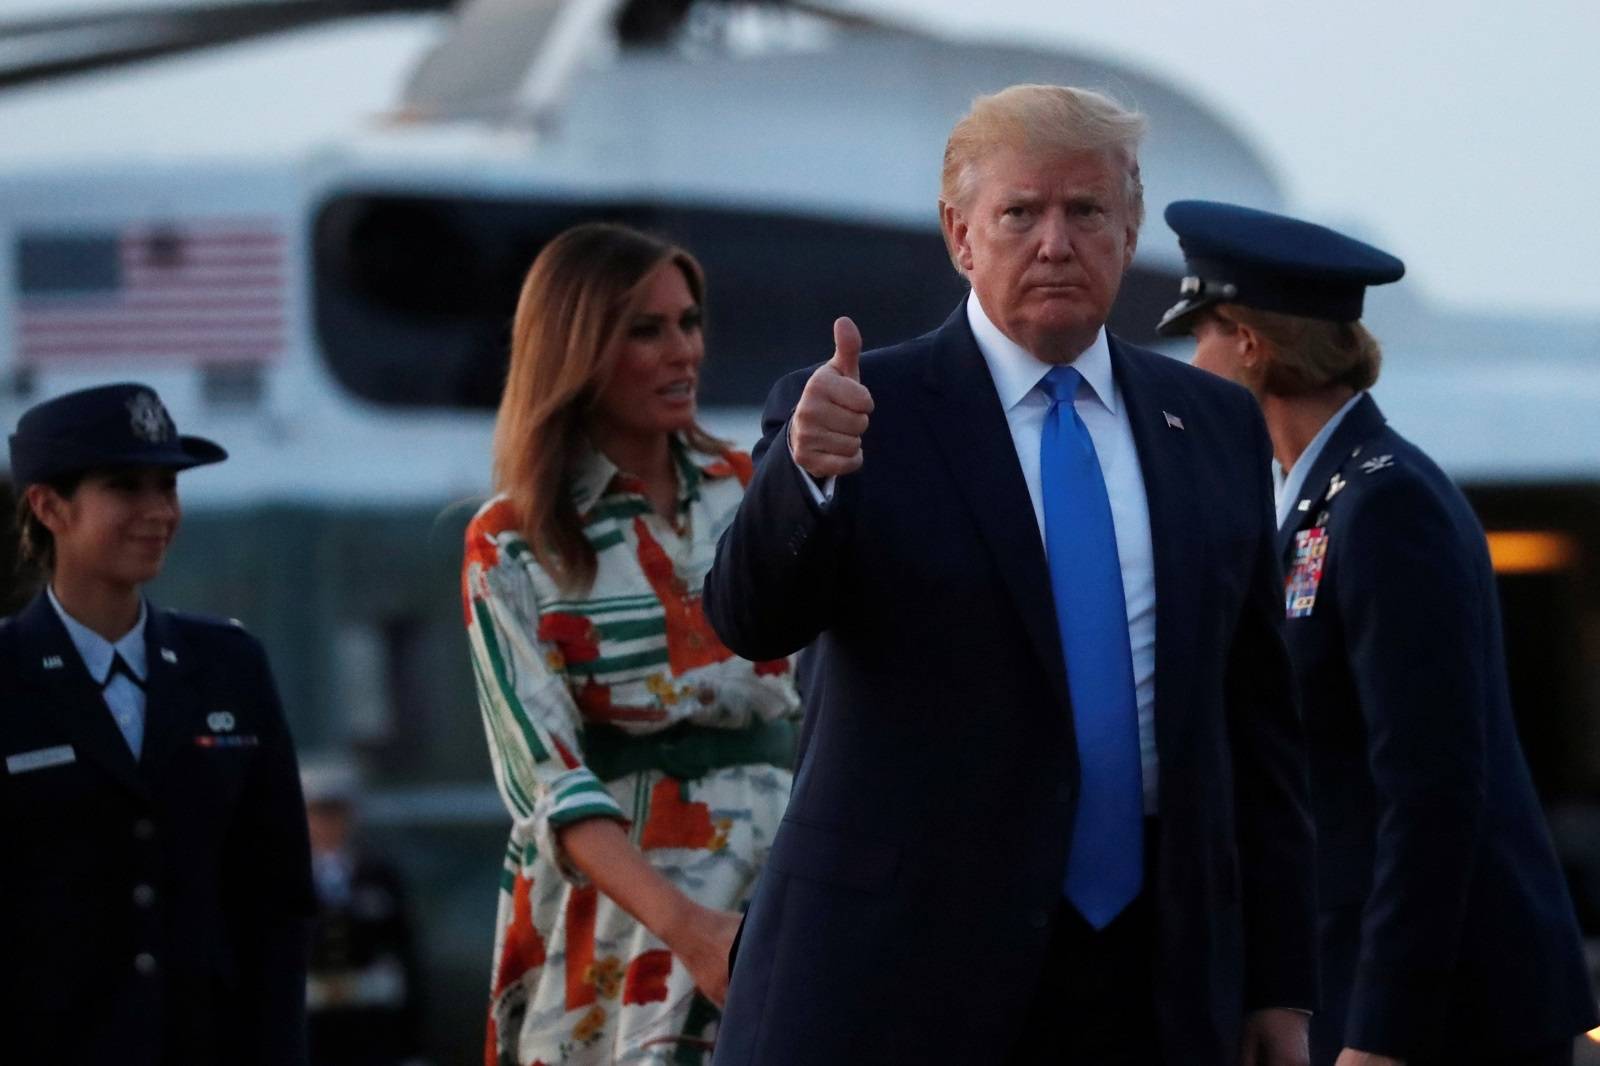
(363, 992)
(644, 765)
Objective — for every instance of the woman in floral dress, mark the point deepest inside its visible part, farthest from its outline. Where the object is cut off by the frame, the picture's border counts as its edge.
(643, 764)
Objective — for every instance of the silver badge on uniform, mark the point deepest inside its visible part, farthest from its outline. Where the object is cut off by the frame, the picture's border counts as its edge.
(148, 419)
(220, 721)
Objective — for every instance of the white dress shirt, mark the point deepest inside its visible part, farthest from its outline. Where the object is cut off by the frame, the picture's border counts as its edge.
(124, 698)
(1017, 377)
(1286, 484)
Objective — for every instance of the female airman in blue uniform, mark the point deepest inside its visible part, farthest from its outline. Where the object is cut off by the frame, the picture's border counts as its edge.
(155, 884)
(1446, 932)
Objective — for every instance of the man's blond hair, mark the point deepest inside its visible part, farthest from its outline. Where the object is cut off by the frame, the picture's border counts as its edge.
(1043, 118)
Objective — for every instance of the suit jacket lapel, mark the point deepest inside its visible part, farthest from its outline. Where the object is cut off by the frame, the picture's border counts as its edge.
(50, 660)
(1362, 423)
(169, 706)
(1165, 461)
(966, 419)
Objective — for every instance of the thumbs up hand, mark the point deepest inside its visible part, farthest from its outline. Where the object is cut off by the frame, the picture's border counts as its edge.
(825, 430)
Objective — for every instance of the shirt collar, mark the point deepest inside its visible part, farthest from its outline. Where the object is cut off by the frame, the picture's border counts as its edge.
(1291, 481)
(595, 476)
(96, 651)
(1017, 372)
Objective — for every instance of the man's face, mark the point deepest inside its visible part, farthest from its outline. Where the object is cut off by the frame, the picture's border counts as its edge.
(1044, 240)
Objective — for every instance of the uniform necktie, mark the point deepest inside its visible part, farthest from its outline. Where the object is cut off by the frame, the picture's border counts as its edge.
(119, 665)
(1105, 868)
(126, 704)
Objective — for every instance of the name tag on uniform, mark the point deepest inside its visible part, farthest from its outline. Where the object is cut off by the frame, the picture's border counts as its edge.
(1305, 572)
(24, 761)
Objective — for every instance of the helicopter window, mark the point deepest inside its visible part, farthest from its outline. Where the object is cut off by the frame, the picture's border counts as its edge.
(414, 295)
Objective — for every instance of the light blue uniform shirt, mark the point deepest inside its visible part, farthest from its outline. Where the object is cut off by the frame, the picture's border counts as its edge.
(123, 698)
(1287, 484)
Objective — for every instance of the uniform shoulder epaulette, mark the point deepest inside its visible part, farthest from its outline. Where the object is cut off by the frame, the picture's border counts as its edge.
(1374, 462)
(207, 621)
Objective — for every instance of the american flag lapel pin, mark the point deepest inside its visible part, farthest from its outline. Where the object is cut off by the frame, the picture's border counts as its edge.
(1173, 421)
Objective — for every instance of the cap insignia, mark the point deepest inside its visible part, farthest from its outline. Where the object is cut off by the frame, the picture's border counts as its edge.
(148, 419)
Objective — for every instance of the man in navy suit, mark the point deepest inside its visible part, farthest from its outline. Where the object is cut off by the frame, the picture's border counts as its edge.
(1446, 932)
(1053, 802)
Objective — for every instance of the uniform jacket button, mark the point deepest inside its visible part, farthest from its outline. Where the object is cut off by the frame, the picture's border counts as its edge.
(144, 895)
(144, 829)
(144, 963)
(1038, 918)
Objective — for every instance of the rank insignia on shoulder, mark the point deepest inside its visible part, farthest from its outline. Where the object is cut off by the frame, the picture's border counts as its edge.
(1305, 572)
(1377, 463)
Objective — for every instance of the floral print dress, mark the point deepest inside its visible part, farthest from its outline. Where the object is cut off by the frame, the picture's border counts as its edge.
(577, 980)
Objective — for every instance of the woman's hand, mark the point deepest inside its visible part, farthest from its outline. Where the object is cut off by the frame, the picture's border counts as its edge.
(702, 941)
(698, 935)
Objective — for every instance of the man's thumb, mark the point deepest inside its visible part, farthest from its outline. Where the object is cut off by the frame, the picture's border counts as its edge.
(846, 349)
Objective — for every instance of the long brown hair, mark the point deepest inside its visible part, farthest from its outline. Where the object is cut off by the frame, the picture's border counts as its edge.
(565, 339)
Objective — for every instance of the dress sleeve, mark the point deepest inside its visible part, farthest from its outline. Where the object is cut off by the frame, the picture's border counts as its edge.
(529, 715)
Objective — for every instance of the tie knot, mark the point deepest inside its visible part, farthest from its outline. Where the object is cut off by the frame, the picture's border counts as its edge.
(1062, 383)
(119, 665)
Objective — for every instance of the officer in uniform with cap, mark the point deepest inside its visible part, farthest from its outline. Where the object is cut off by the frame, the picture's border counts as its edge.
(1446, 932)
(155, 881)
(362, 989)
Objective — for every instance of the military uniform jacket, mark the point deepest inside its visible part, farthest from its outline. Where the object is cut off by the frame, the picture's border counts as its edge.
(364, 1006)
(1445, 929)
(151, 912)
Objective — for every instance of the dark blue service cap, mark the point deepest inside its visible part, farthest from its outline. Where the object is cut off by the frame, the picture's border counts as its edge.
(93, 429)
(1239, 255)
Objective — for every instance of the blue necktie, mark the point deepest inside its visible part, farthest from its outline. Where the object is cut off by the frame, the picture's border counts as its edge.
(1106, 866)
